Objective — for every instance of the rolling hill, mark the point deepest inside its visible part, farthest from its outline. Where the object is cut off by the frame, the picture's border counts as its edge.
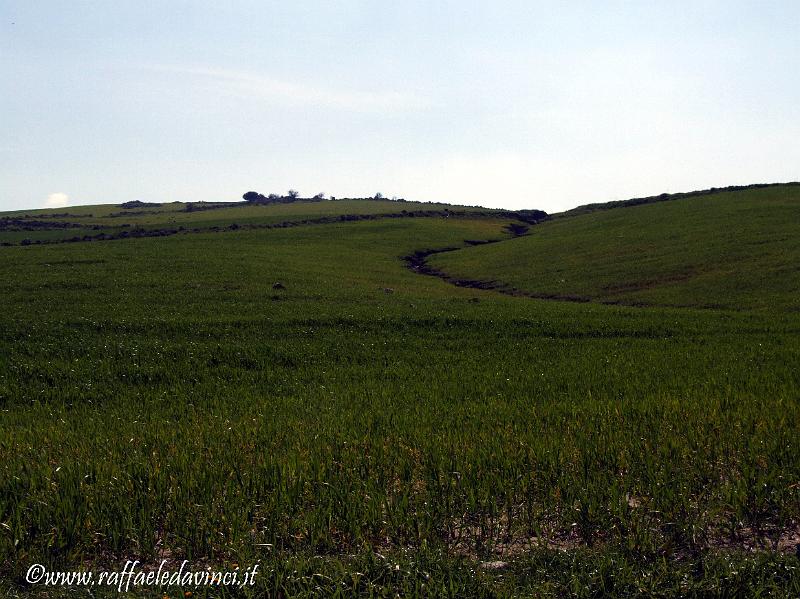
(115, 221)
(283, 385)
(730, 249)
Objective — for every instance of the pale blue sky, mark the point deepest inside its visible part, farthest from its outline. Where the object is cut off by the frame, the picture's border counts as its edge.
(516, 104)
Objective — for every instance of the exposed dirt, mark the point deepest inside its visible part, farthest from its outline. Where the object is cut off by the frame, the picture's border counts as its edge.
(497, 540)
(27, 224)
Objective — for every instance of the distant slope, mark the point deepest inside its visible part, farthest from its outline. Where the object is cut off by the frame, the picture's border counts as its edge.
(106, 221)
(666, 197)
(730, 249)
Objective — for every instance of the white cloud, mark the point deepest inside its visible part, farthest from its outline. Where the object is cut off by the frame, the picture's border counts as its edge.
(56, 200)
(268, 88)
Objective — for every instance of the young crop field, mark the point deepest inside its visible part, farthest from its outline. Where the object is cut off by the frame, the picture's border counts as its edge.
(309, 398)
(101, 222)
(736, 250)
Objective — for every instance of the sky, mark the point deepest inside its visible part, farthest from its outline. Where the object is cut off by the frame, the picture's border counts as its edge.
(525, 104)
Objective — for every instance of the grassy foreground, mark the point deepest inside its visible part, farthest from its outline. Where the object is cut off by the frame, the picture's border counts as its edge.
(366, 430)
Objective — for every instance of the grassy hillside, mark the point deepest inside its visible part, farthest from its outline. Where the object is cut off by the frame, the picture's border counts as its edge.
(114, 220)
(732, 250)
(363, 430)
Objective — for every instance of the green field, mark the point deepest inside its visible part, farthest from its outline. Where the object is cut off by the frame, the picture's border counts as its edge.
(367, 430)
(736, 251)
(174, 217)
